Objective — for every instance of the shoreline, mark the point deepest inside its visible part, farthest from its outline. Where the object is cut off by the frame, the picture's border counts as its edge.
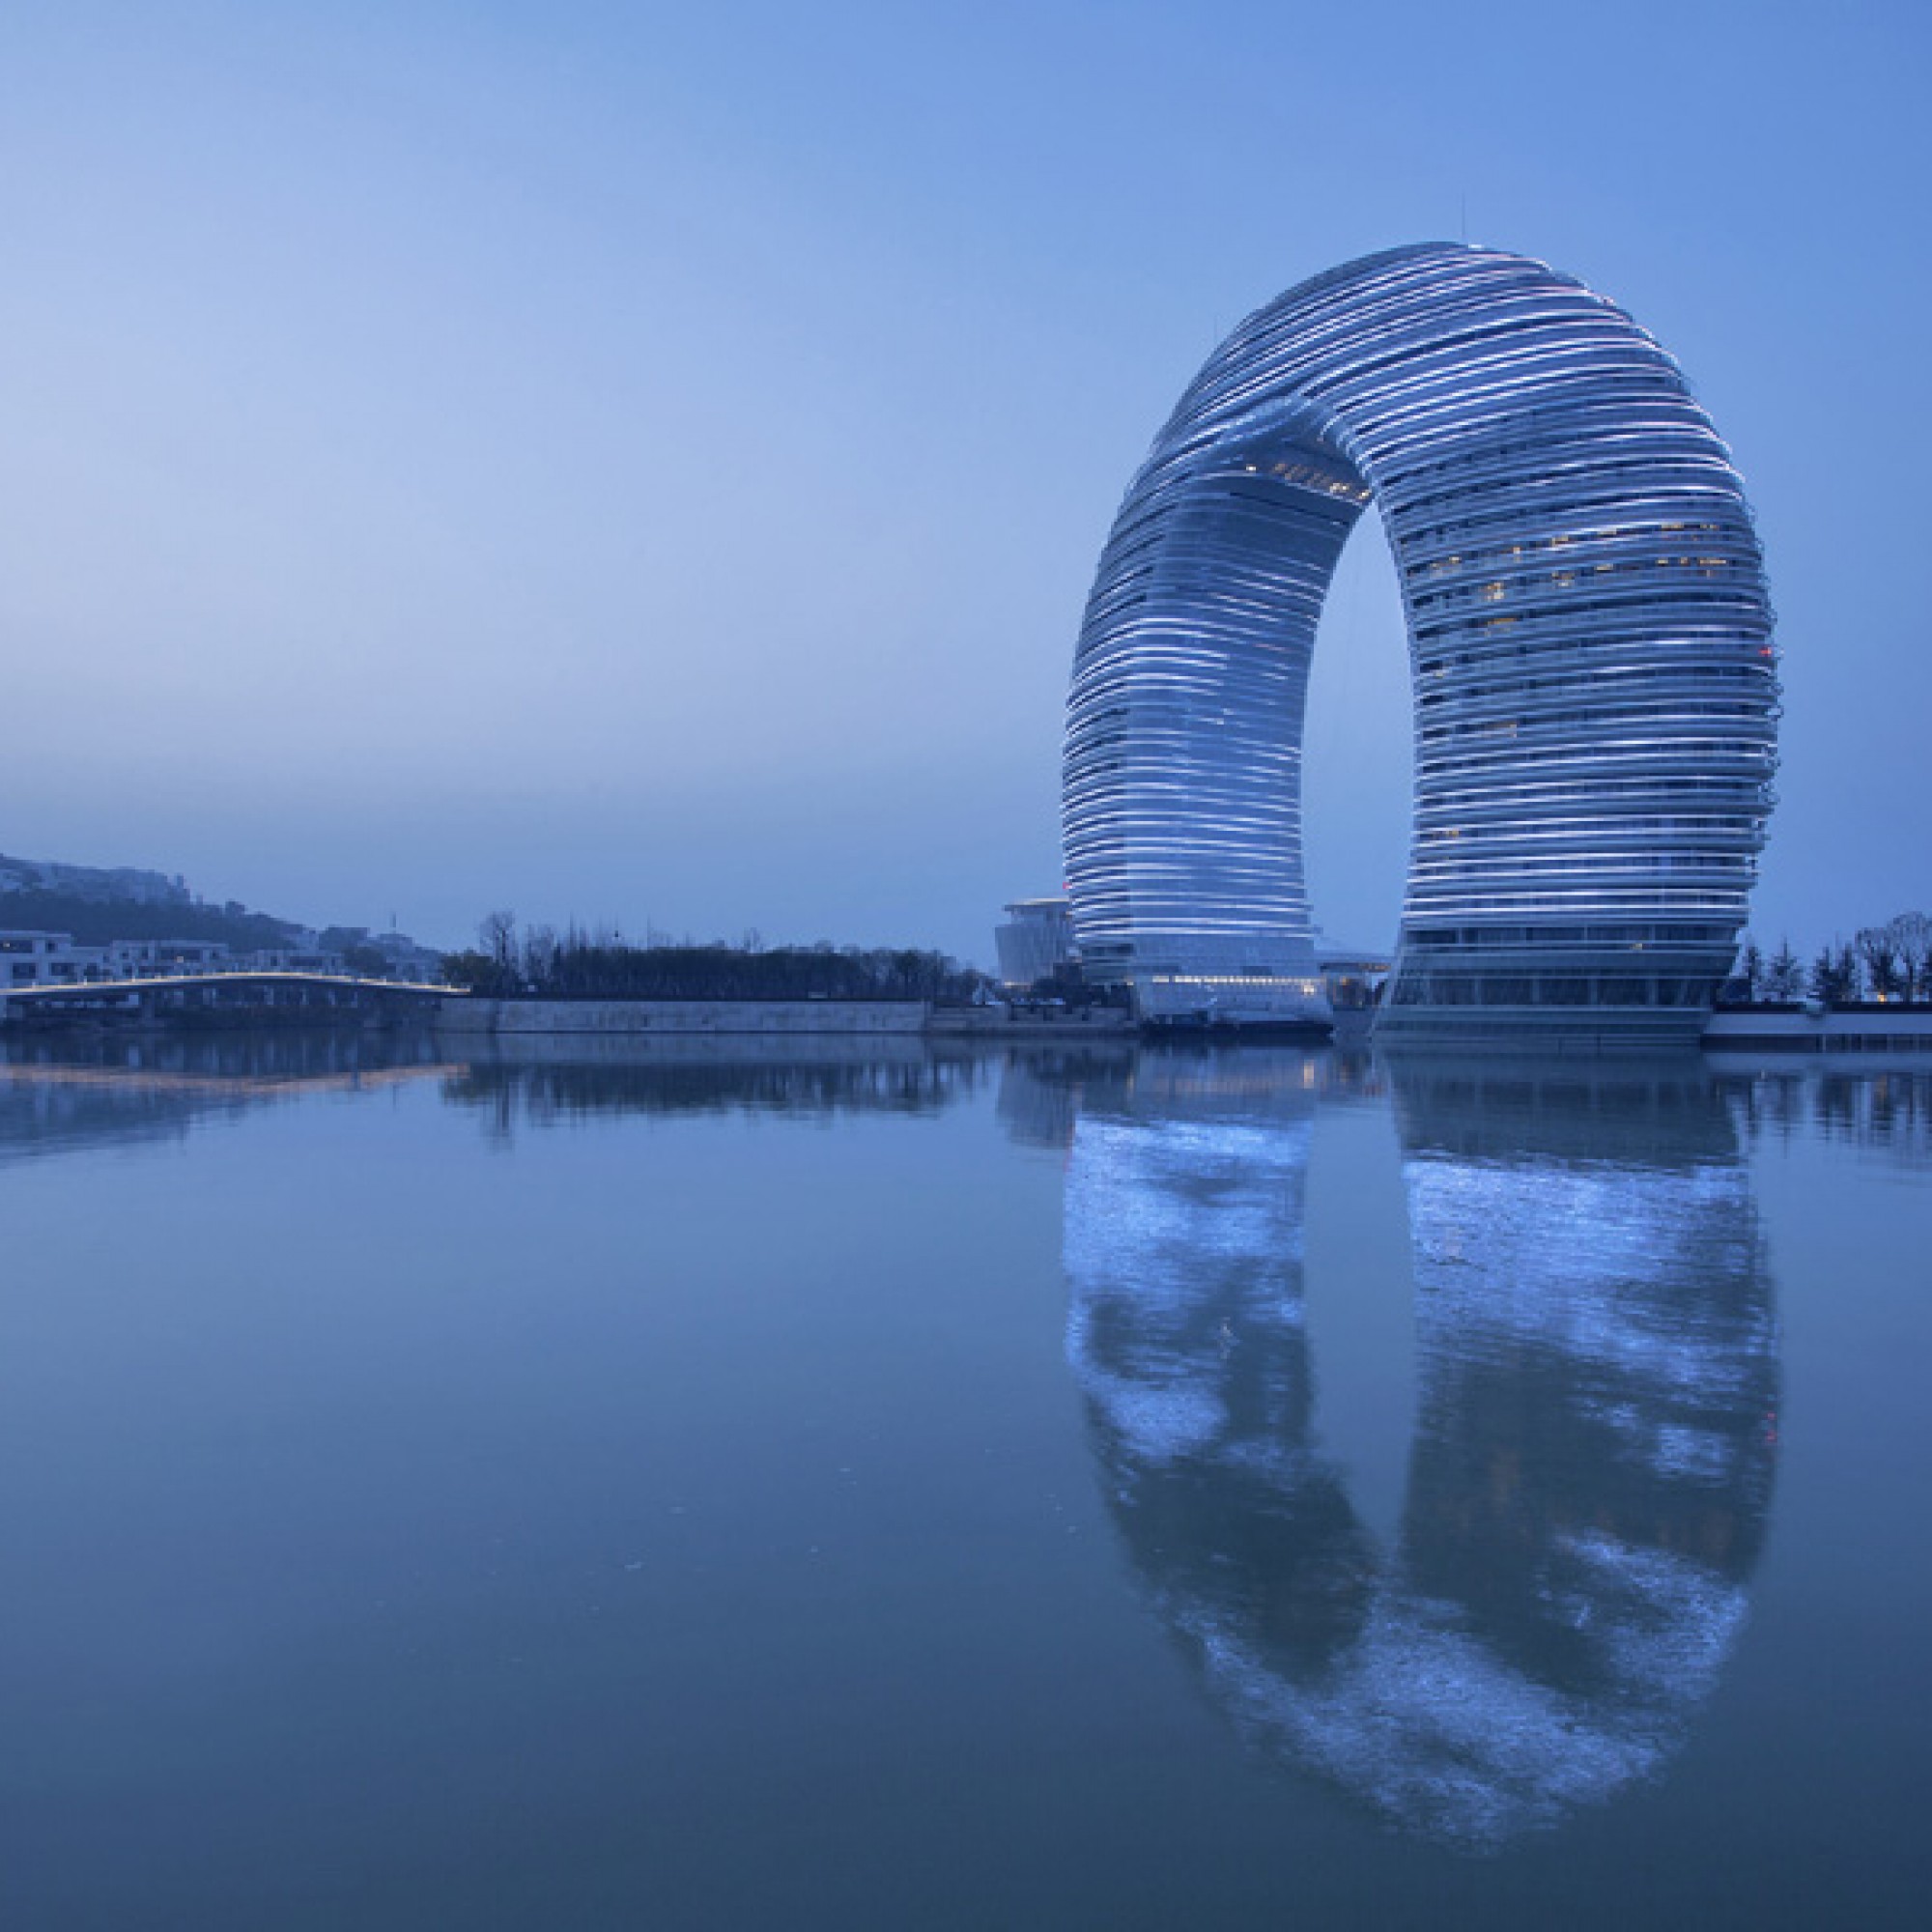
(1905, 1030)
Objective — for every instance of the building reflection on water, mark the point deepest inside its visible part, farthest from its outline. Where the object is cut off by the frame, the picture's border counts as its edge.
(1591, 1467)
(1595, 1432)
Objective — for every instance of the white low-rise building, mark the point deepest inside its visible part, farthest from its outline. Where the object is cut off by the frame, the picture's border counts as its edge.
(1036, 939)
(53, 958)
(292, 959)
(48, 959)
(153, 959)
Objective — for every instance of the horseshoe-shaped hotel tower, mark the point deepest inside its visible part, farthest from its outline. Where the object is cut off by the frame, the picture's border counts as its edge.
(1590, 640)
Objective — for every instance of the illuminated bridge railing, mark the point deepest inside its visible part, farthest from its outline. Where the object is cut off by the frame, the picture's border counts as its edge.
(234, 983)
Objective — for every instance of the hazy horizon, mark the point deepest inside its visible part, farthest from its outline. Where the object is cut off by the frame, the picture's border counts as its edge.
(646, 465)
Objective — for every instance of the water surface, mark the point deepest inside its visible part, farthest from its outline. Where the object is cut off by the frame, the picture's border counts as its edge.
(871, 1487)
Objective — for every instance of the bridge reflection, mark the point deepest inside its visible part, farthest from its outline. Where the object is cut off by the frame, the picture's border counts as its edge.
(1591, 1467)
(60, 1093)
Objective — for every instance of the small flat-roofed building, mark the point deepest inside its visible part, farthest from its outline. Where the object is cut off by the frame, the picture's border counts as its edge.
(47, 959)
(1036, 938)
(149, 958)
(1353, 977)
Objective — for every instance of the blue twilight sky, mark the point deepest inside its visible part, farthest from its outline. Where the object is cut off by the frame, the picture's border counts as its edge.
(646, 462)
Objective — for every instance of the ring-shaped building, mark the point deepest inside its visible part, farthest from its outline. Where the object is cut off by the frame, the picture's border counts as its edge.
(1589, 634)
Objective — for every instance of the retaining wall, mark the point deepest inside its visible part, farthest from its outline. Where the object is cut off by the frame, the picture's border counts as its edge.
(1899, 1030)
(680, 1018)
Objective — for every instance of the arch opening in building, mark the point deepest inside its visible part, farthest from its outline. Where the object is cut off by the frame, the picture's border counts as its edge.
(1590, 648)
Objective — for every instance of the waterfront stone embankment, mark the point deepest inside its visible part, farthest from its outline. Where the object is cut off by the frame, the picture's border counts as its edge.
(1870, 1030)
(687, 1018)
(608, 1017)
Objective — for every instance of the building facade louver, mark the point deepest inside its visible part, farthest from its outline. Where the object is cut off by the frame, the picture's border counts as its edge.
(1590, 642)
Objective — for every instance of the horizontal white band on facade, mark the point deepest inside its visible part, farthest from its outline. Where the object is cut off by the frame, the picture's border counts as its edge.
(1583, 589)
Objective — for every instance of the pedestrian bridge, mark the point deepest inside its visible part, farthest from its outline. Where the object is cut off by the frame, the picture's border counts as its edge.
(198, 992)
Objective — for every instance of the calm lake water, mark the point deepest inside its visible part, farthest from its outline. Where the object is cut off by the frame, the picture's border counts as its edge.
(864, 1488)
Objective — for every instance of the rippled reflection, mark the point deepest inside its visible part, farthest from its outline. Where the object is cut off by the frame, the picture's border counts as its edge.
(540, 1083)
(62, 1094)
(1591, 1467)
(67, 1091)
(1885, 1109)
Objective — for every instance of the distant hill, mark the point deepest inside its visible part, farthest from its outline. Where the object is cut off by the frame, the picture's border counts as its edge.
(118, 885)
(95, 904)
(94, 921)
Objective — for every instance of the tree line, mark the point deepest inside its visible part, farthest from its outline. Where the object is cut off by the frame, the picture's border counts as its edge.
(540, 962)
(1887, 962)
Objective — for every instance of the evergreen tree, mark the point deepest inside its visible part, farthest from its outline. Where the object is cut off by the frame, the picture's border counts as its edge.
(1751, 969)
(1784, 976)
